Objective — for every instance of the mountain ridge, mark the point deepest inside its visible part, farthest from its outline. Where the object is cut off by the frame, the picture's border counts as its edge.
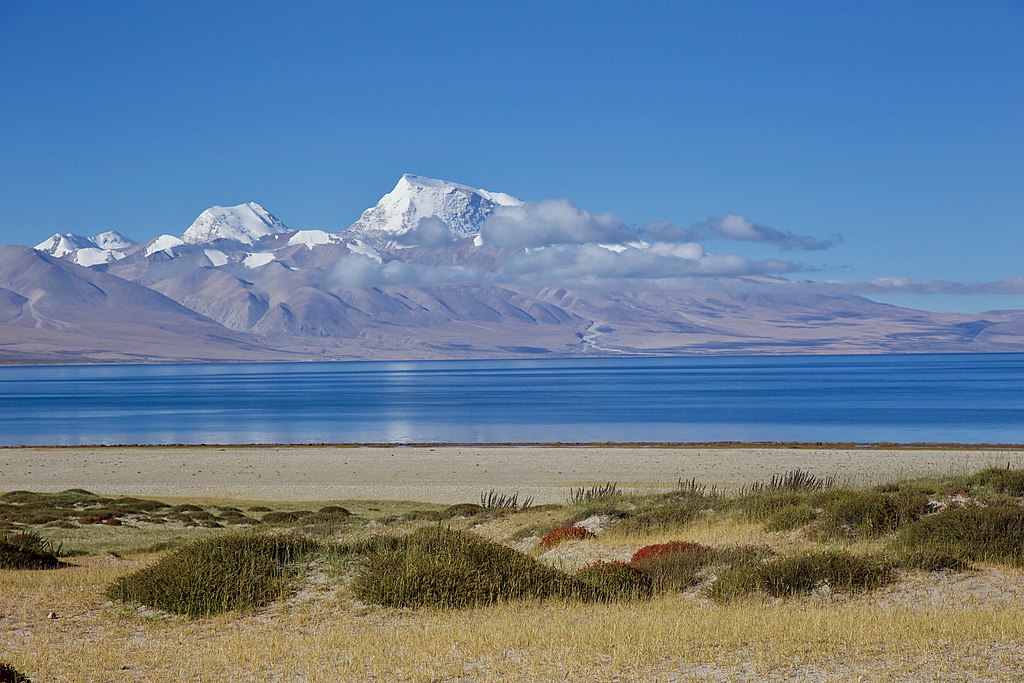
(415, 277)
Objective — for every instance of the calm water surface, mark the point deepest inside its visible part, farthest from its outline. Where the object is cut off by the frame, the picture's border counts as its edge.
(964, 398)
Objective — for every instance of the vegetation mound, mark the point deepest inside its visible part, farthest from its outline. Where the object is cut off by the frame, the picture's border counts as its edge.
(676, 564)
(831, 570)
(673, 514)
(999, 480)
(568, 532)
(873, 513)
(214, 575)
(334, 510)
(8, 674)
(28, 550)
(984, 534)
(618, 579)
(436, 567)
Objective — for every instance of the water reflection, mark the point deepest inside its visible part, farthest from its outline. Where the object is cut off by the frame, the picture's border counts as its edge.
(858, 398)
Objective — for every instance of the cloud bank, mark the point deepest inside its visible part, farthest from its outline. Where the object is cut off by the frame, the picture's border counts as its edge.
(552, 221)
(357, 270)
(900, 285)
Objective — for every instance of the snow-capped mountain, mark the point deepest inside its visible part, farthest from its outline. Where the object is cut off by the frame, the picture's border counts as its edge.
(245, 223)
(406, 281)
(87, 251)
(112, 239)
(416, 200)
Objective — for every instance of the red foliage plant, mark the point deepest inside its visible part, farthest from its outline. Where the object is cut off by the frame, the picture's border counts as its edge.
(565, 533)
(649, 552)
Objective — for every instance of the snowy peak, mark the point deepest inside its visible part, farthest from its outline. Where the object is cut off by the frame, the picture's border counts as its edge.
(87, 251)
(112, 240)
(163, 243)
(245, 223)
(313, 238)
(60, 245)
(417, 202)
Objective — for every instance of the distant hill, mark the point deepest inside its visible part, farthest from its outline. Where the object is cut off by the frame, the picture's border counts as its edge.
(419, 276)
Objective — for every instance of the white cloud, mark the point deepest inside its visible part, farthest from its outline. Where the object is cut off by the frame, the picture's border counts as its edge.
(557, 242)
(552, 221)
(429, 232)
(565, 263)
(902, 285)
(736, 227)
(357, 270)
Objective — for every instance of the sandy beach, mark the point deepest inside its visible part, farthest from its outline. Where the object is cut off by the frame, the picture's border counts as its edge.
(447, 474)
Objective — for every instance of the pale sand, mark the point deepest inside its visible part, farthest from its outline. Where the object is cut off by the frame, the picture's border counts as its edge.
(446, 474)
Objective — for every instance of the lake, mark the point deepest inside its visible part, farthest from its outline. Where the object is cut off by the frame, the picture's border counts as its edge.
(956, 398)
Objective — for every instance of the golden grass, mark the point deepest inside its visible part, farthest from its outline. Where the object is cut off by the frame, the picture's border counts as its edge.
(328, 638)
(323, 634)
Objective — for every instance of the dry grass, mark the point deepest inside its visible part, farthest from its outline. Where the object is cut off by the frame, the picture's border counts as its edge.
(925, 627)
(329, 638)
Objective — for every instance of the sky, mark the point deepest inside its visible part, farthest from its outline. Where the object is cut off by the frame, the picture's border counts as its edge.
(898, 127)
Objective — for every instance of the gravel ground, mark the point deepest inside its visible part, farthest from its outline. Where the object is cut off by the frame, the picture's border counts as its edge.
(446, 474)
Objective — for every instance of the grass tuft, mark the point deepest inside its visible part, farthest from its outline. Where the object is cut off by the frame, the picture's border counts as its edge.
(437, 567)
(215, 575)
(336, 510)
(8, 674)
(835, 570)
(872, 513)
(492, 500)
(286, 517)
(983, 534)
(999, 480)
(28, 550)
(794, 480)
(790, 517)
(618, 579)
(461, 510)
(674, 565)
(583, 495)
(674, 514)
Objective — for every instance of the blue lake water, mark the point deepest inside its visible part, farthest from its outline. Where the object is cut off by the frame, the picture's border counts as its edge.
(957, 398)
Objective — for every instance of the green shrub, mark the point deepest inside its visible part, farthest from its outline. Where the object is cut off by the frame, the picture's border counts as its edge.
(618, 579)
(983, 534)
(730, 556)
(933, 559)
(436, 567)
(8, 674)
(675, 565)
(762, 506)
(872, 513)
(790, 517)
(285, 517)
(802, 573)
(671, 515)
(215, 575)
(27, 550)
(999, 480)
(334, 510)
(462, 510)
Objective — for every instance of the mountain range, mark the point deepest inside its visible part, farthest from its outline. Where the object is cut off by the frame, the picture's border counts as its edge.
(434, 270)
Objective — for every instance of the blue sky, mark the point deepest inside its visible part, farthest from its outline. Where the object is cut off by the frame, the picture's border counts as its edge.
(899, 126)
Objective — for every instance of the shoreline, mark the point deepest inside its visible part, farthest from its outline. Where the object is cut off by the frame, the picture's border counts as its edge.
(681, 445)
(455, 474)
(158, 362)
